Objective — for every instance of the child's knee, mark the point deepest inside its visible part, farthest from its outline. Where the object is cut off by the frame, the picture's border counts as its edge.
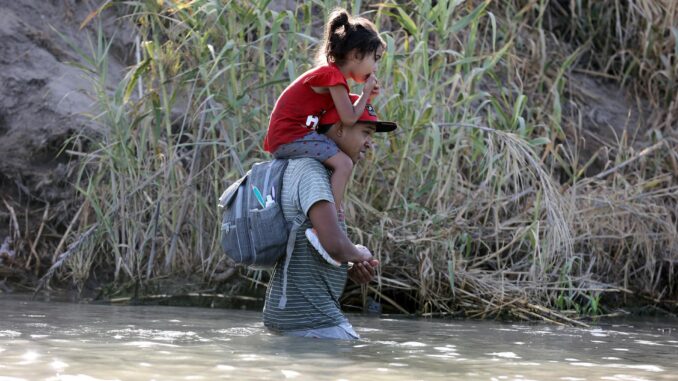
(340, 162)
(345, 162)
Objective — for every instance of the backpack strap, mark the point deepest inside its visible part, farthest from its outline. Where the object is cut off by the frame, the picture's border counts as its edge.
(238, 204)
(268, 177)
(298, 221)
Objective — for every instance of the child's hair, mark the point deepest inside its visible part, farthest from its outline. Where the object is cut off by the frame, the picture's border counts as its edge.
(343, 33)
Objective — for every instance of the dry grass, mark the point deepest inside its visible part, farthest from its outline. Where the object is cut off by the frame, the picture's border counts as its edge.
(481, 204)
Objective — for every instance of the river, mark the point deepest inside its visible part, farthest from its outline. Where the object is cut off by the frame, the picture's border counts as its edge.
(67, 341)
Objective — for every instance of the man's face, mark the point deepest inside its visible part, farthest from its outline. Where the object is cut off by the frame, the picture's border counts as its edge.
(356, 140)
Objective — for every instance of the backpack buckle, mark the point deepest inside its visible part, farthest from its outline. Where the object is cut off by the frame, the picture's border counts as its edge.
(225, 228)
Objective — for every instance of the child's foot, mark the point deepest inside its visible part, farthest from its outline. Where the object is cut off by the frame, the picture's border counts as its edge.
(315, 242)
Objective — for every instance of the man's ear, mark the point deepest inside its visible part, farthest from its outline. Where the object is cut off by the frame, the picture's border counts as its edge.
(340, 130)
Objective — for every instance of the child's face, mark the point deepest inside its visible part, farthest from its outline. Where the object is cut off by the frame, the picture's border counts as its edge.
(362, 68)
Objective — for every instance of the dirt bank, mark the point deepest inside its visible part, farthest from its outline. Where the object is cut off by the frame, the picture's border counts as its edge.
(44, 102)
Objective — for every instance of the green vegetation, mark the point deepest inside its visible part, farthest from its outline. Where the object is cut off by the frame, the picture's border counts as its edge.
(494, 198)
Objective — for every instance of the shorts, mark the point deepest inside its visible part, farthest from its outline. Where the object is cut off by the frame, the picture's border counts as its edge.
(313, 145)
(343, 331)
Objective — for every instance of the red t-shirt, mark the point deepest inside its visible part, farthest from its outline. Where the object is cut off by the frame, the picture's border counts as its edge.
(298, 109)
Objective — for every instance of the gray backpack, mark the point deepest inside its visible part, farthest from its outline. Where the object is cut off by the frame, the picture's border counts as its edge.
(254, 231)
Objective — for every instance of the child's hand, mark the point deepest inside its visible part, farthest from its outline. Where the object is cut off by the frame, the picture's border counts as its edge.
(370, 83)
(375, 91)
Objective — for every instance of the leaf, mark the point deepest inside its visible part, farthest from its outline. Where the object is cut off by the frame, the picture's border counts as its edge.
(540, 141)
(518, 108)
(95, 13)
(134, 78)
(464, 21)
(407, 22)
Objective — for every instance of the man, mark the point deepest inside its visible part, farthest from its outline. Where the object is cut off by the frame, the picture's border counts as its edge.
(313, 286)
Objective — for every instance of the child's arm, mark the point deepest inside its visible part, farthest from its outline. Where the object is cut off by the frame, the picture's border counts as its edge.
(350, 112)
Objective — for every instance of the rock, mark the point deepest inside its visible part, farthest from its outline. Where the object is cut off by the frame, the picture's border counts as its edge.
(6, 253)
(44, 99)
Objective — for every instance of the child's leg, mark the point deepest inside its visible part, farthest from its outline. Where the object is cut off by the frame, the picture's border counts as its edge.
(342, 167)
(323, 149)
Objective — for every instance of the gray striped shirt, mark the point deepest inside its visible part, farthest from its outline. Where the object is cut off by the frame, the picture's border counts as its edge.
(313, 286)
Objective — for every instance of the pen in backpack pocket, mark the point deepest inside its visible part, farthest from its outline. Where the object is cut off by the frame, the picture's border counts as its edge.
(258, 195)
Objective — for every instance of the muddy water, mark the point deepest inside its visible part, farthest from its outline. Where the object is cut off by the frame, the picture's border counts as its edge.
(60, 341)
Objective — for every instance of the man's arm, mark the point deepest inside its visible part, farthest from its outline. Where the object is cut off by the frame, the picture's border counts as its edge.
(323, 216)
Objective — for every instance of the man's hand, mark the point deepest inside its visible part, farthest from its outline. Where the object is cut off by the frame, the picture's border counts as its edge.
(363, 272)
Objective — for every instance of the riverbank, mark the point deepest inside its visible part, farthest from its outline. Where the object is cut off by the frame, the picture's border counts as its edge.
(534, 176)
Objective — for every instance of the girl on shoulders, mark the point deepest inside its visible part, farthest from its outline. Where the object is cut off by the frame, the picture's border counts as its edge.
(351, 48)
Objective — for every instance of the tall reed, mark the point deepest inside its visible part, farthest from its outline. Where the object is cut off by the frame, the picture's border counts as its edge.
(477, 204)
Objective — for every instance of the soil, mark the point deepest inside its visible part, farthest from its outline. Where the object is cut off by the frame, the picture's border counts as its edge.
(44, 102)
(608, 114)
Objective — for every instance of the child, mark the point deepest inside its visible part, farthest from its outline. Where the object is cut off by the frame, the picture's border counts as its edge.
(351, 48)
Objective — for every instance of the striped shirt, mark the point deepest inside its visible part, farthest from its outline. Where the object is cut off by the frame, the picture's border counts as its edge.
(313, 285)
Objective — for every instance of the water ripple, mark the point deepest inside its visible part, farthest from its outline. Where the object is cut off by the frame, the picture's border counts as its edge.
(10, 334)
(149, 344)
(154, 334)
(78, 377)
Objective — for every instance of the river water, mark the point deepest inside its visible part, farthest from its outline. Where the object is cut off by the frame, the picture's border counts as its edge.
(63, 341)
